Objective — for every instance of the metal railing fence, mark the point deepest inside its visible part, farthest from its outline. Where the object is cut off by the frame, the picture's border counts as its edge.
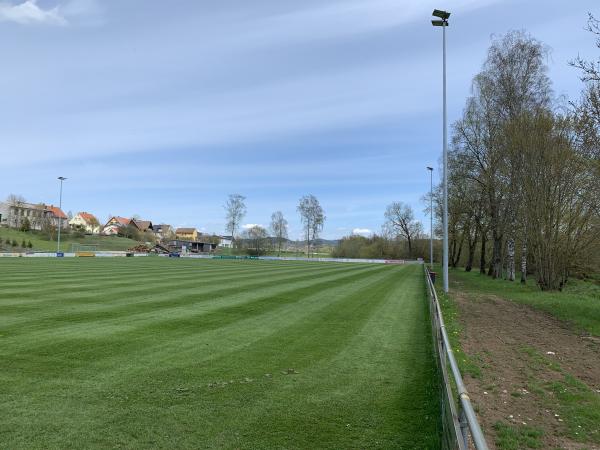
(459, 422)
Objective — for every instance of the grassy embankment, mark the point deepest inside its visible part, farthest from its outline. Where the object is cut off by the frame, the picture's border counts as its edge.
(578, 305)
(39, 243)
(175, 353)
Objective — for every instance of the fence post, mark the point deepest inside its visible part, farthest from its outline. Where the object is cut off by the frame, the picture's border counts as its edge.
(464, 426)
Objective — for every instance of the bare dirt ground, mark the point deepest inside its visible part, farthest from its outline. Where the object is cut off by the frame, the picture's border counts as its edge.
(518, 347)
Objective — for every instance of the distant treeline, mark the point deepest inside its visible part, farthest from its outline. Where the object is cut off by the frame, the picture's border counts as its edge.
(381, 247)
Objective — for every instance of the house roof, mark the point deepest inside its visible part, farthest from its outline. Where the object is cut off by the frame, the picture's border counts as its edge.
(88, 217)
(56, 211)
(120, 220)
(161, 227)
(186, 230)
(142, 225)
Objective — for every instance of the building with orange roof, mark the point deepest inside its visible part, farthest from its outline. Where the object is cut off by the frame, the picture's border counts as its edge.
(56, 216)
(86, 222)
(114, 224)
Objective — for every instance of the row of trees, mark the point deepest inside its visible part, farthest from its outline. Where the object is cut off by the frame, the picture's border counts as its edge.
(524, 169)
(379, 246)
(402, 237)
(257, 238)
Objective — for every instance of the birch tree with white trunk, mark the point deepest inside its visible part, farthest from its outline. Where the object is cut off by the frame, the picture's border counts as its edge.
(312, 217)
(235, 210)
(279, 229)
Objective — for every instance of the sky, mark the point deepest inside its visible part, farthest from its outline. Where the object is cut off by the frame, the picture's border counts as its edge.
(162, 109)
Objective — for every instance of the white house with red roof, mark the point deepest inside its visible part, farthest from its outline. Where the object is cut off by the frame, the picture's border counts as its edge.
(114, 224)
(85, 222)
(56, 216)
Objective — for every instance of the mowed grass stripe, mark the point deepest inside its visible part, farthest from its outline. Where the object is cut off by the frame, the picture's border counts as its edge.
(372, 336)
(259, 320)
(132, 333)
(61, 269)
(309, 347)
(155, 296)
(136, 345)
(145, 274)
(303, 342)
(128, 287)
(102, 288)
(86, 281)
(157, 375)
(182, 350)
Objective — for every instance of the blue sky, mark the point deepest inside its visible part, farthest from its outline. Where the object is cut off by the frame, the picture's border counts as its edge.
(162, 109)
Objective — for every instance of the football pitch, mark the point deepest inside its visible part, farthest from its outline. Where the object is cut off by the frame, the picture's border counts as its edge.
(181, 353)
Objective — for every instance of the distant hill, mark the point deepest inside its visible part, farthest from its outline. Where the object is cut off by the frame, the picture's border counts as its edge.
(331, 242)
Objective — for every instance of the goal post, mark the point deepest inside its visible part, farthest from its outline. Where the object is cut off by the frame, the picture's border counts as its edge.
(83, 248)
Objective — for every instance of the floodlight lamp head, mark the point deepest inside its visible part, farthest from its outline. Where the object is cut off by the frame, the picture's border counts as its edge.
(430, 168)
(444, 15)
(62, 178)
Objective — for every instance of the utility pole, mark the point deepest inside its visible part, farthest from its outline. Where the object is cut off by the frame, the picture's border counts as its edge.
(430, 169)
(61, 179)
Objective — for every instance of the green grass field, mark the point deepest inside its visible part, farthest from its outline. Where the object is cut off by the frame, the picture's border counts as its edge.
(178, 353)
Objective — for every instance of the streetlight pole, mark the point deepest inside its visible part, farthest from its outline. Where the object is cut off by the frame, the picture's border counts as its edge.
(61, 179)
(443, 22)
(430, 217)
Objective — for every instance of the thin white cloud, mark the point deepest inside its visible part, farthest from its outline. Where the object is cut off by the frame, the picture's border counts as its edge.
(61, 123)
(278, 109)
(81, 8)
(83, 12)
(362, 231)
(28, 12)
(335, 19)
(249, 226)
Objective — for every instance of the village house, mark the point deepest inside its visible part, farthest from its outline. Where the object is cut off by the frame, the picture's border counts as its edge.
(186, 234)
(113, 225)
(56, 216)
(226, 241)
(37, 216)
(142, 225)
(85, 222)
(163, 231)
(185, 246)
(3, 214)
